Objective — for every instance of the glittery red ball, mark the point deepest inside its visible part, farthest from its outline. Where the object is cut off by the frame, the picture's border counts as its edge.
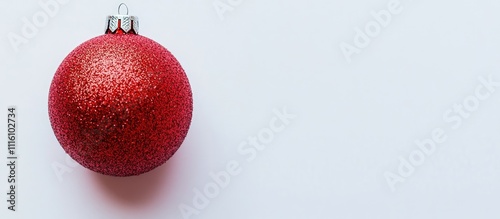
(120, 104)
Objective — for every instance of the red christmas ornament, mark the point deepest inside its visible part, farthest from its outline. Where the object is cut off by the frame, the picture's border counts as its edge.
(120, 104)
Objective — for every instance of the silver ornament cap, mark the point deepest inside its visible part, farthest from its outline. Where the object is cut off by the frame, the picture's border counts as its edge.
(122, 23)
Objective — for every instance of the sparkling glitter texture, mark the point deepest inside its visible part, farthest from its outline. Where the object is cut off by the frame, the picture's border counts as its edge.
(120, 104)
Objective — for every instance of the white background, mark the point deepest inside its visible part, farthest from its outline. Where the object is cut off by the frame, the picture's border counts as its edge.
(354, 120)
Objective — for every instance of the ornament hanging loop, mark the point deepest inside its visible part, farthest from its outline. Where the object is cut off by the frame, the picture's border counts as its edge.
(122, 23)
(120, 6)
